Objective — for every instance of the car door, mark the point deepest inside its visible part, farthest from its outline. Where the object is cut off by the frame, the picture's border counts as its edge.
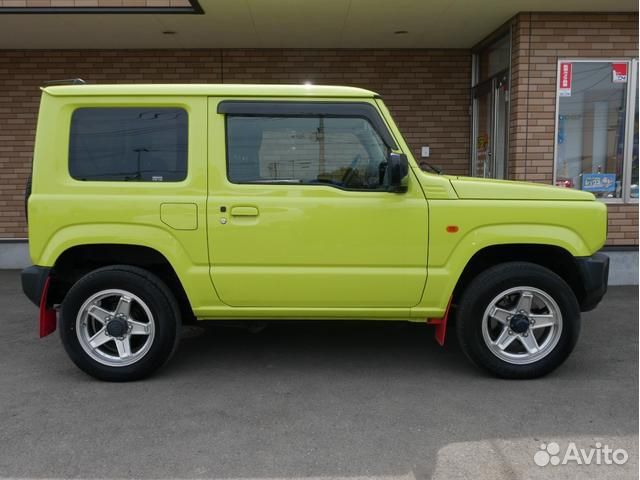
(298, 212)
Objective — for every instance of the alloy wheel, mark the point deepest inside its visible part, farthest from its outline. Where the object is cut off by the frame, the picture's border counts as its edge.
(522, 325)
(115, 327)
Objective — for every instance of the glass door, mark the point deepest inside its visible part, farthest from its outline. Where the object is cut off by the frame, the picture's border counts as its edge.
(490, 127)
(501, 123)
(482, 129)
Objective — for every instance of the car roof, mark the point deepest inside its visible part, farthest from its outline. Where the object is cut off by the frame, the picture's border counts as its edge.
(225, 90)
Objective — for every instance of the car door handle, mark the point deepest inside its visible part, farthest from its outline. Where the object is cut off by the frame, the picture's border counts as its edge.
(244, 212)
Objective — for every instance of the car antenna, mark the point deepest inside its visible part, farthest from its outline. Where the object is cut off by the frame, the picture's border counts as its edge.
(66, 81)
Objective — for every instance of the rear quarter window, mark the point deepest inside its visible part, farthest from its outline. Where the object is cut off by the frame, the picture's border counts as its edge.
(129, 144)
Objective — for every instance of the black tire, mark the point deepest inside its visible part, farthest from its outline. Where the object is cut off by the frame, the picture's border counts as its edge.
(491, 283)
(159, 300)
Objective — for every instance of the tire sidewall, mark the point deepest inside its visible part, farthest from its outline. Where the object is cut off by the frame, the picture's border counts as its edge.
(150, 290)
(488, 286)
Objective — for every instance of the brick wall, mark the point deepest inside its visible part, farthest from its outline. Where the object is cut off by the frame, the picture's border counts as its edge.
(429, 104)
(22, 72)
(539, 41)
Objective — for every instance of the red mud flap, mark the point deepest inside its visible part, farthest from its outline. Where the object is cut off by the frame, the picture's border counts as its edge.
(47, 316)
(441, 325)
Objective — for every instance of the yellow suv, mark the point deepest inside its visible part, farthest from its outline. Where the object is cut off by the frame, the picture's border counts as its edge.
(155, 205)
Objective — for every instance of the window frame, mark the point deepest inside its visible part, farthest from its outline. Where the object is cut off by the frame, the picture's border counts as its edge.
(289, 109)
(295, 108)
(632, 105)
(183, 108)
(632, 70)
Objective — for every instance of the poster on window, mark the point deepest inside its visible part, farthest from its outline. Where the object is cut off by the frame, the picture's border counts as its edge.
(564, 80)
(619, 71)
(599, 182)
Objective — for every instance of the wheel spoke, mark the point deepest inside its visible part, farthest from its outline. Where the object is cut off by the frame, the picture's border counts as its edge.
(98, 313)
(542, 321)
(529, 342)
(500, 314)
(124, 347)
(138, 328)
(124, 306)
(99, 338)
(524, 304)
(504, 339)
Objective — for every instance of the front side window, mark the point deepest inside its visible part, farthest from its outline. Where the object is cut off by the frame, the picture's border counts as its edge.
(344, 152)
(145, 144)
(591, 125)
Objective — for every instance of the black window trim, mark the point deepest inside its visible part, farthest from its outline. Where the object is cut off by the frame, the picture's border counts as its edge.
(132, 106)
(326, 109)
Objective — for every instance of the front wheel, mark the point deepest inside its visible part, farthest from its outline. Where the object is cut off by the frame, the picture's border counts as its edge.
(518, 320)
(119, 323)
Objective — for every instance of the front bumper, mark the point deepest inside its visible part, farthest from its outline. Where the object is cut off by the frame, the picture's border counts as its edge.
(594, 274)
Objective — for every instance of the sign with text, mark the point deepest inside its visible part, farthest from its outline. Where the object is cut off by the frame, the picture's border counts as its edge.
(564, 80)
(619, 72)
(599, 182)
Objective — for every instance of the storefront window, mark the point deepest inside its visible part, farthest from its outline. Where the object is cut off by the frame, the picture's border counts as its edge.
(592, 117)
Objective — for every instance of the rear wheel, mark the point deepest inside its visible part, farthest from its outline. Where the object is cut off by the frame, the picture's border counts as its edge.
(518, 320)
(119, 323)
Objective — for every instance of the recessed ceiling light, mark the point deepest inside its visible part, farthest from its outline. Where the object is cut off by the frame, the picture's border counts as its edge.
(400, 32)
(169, 32)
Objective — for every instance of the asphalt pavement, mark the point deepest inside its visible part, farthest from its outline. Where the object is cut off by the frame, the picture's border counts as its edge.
(317, 400)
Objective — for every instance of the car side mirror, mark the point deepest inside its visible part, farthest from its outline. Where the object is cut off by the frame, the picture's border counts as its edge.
(398, 172)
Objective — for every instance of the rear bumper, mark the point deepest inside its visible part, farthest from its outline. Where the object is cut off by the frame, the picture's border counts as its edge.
(35, 285)
(34, 279)
(594, 274)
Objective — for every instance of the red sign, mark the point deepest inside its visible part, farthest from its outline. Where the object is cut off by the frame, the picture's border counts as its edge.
(564, 87)
(619, 72)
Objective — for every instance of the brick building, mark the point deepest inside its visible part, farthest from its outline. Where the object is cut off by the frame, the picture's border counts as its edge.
(493, 90)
